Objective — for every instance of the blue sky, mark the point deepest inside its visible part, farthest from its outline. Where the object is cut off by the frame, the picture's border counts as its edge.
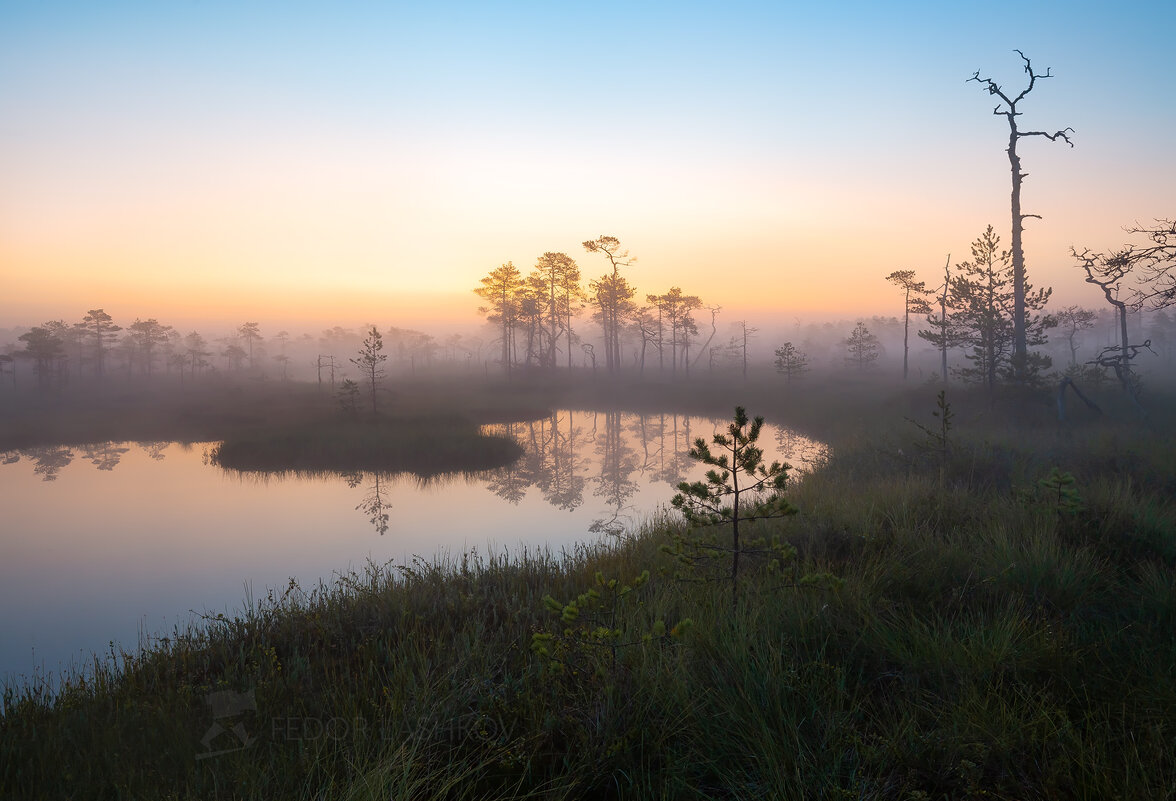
(167, 152)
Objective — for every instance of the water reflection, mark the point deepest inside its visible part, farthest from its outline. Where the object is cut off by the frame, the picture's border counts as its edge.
(49, 461)
(374, 504)
(617, 455)
(800, 451)
(154, 449)
(103, 455)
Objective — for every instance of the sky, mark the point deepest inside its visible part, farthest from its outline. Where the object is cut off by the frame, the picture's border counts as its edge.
(345, 163)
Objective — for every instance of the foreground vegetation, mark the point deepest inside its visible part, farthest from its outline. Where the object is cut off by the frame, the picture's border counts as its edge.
(1002, 628)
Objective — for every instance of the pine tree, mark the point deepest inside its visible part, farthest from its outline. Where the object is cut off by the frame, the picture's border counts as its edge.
(790, 362)
(981, 297)
(863, 347)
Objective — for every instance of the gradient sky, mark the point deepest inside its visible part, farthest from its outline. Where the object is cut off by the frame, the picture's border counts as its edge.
(352, 162)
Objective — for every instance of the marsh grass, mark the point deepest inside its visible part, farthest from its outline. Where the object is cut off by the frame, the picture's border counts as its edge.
(982, 645)
(424, 446)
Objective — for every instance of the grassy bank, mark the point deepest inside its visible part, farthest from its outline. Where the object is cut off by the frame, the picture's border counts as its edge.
(1003, 630)
(423, 446)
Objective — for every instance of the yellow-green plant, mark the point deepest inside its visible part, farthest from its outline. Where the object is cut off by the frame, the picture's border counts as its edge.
(590, 690)
(593, 626)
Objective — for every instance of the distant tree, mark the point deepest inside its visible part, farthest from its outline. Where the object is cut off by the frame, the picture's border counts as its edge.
(743, 334)
(914, 302)
(674, 311)
(235, 356)
(703, 350)
(563, 298)
(145, 336)
(1073, 320)
(613, 296)
(45, 350)
(1150, 265)
(349, 397)
(501, 290)
(8, 365)
(250, 332)
(790, 362)
(283, 364)
(412, 347)
(1133, 277)
(645, 323)
(282, 338)
(1020, 288)
(194, 349)
(940, 333)
(589, 354)
(370, 361)
(73, 339)
(99, 328)
(983, 303)
(1110, 273)
(1163, 333)
(863, 347)
(179, 360)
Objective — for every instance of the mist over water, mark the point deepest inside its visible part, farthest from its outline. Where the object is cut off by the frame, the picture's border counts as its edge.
(110, 542)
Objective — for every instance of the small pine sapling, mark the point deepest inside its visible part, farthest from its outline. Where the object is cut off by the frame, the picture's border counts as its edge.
(739, 488)
(1059, 492)
(936, 439)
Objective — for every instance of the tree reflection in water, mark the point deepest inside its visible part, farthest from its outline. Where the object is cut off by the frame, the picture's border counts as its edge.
(154, 450)
(48, 461)
(625, 452)
(618, 461)
(800, 451)
(373, 503)
(511, 482)
(104, 455)
(618, 454)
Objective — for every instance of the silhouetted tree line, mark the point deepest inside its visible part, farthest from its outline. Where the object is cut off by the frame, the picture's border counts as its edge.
(536, 316)
(97, 349)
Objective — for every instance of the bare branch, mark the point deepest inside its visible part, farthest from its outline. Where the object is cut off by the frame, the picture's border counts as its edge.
(1154, 264)
(1113, 355)
(993, 89)
(1032, 75)
(1053, 137)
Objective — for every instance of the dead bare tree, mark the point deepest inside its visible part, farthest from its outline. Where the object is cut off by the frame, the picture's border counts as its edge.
(1132, 277)
(714, 310)
(1156, 263)
(1108, 272)
(1008, 109)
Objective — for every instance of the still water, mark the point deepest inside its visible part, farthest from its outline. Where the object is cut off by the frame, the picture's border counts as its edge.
(108, 542)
